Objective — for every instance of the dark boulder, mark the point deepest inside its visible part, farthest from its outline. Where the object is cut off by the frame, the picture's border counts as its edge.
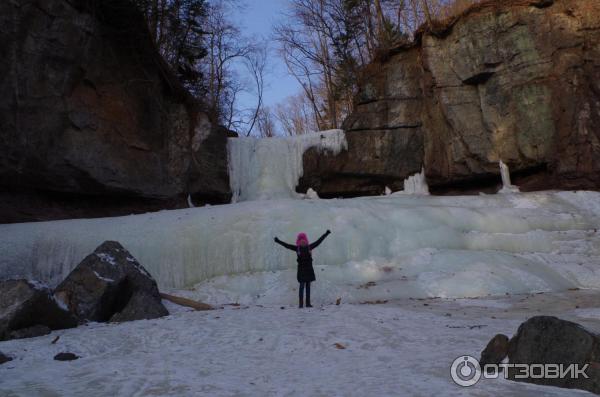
(110, 285)
(29, 309)
(4, 358)
(138, 308)
(549, 340)
(66, 357)
(495, 351)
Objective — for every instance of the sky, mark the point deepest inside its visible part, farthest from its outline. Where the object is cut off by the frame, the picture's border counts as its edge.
(257, 19)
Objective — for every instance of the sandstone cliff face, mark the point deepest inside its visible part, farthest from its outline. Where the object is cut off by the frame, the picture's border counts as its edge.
(515, 80)
(89, 108)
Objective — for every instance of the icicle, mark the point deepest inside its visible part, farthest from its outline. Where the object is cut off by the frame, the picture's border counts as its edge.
(189, 201)
(416, 184)
(507, 187)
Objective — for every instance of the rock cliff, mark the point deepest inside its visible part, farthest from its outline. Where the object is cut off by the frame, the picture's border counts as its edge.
(517, 81)
(92, 121)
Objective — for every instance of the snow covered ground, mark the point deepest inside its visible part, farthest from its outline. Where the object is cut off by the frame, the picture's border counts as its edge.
(404, 348)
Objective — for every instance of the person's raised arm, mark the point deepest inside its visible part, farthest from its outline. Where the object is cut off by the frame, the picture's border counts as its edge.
(285, 245)
(320, 240)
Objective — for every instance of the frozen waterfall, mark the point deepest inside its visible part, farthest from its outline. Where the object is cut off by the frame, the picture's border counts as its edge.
(269, 168)
(507, 186)
(399, 246)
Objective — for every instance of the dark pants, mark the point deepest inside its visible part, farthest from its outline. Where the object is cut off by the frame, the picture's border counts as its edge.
(301, 293)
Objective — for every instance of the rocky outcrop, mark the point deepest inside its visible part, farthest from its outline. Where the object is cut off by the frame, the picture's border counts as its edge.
(516, 81)
(92, 122)
(549, 340)
(495, 351)
(110, 285)
(4, 359)
(29, 309)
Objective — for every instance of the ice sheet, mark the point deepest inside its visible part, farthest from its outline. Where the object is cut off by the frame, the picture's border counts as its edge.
(408, 246)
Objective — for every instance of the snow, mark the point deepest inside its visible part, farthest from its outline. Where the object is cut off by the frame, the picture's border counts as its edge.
(269, 168)
(36, 284)
(108, 280)
(403, 348)
(62, 305)
(107, 258)
(409, 246)
(311, 194)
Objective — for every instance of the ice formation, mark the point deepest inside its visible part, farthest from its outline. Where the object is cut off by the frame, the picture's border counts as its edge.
(381, 247)
(311, 194)
(190, 202)
(415, 184)
(507, 186)
(269, 168)
(405, 244)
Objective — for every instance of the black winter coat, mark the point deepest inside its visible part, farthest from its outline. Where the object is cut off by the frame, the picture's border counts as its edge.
(305, 272)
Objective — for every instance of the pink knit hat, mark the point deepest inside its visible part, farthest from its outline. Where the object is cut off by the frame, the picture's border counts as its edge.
(301, 237)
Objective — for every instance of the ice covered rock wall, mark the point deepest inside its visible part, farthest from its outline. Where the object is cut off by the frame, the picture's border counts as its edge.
(381, 247)
(269, 168)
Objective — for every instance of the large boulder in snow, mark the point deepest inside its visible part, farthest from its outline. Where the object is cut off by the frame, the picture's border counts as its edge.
(495, 351)
(110, 285)
(29, 309)
(92, 121)
(549, 340)
(509, 80)
(4, 358)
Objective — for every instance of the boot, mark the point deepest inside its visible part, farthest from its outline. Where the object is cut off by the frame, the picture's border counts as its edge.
(308, 302)
(301, 305)
(308, 295)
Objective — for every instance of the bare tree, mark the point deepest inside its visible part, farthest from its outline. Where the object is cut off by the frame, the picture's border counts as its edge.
(256, 63)
(295, 115)
(325, 45)
(265, 123)
(229, 55)
(306, 46)
(177, 28)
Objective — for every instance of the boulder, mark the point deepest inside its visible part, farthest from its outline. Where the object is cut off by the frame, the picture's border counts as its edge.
(141, 305)
(29, 309)
(4, 358)
(495, 351)
(92, 121)
(66, 357)
(110, 285)
(549, 340)
(514, 80)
